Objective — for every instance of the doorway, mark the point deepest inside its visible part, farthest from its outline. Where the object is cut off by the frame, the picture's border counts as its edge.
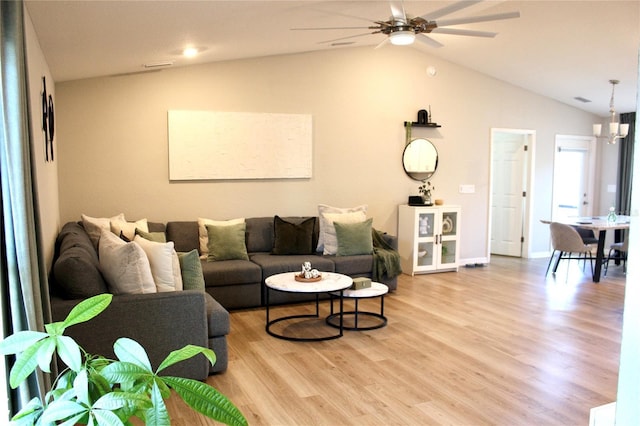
(573, 176)
(511, 160)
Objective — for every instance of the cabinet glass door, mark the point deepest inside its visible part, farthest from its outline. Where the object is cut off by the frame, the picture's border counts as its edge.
(425, 254)
(449, 224)
(449, 243)
(425, 225)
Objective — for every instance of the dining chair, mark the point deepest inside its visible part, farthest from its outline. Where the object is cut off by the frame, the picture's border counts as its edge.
(617, 252)
(587, 235)
(566, 240)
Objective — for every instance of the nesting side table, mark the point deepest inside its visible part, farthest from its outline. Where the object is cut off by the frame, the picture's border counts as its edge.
(376, 290)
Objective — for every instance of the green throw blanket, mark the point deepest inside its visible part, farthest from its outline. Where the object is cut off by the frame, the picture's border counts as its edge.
(386, 261)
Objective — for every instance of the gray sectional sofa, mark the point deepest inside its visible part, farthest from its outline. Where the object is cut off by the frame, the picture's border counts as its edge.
(163, 322)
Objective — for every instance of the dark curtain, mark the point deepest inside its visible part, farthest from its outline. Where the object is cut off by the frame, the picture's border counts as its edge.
(21, 272)
(625, 170)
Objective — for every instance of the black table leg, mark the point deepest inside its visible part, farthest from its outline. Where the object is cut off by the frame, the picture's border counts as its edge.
(599, 256)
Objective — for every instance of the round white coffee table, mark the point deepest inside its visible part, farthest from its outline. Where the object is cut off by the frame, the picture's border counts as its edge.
(376, 290)
(331, 282)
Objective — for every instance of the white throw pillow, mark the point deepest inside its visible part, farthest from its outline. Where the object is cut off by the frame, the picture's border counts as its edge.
(161, 260)
(330, 238)
(128, 229)
(204, 236)
(124, 265)
(95, 225)
(324, 225)
(177, 272)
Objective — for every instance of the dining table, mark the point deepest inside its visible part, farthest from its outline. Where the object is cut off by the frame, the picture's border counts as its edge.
(599, 225)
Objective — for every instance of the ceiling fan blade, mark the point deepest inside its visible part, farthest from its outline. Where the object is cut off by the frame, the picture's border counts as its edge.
(474, 19)
(449, 9)
(328, 28)
(472, 33)
(382, 43)
(428, 41)
(335, 13)
(397, 10)
(345, 38)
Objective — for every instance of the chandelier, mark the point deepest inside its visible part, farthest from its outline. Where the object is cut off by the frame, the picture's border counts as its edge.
(614, 125)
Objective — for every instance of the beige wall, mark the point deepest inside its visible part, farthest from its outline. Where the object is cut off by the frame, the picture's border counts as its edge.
(46, 173)
(113, 149)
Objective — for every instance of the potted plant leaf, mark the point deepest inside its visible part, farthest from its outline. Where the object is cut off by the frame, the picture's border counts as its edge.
(94, 390)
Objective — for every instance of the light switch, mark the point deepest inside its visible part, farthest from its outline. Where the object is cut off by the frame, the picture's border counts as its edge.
(467, 189)
(611, 188)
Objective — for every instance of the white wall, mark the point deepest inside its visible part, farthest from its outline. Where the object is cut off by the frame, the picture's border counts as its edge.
(112, 137)
(46, 173)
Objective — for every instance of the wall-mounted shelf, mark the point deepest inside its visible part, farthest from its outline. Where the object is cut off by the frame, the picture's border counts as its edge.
(415, 124)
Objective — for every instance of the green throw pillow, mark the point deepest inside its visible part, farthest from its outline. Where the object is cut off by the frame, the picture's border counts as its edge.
(354, 238)
(293, 238)
(191, 270)
(158, 237)
(227, 242)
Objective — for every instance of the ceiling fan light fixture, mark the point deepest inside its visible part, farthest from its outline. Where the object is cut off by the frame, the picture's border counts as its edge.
(190, 51)
(616, 129)
(402, 37)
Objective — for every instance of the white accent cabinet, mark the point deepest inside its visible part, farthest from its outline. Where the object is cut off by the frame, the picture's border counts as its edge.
(429, 238)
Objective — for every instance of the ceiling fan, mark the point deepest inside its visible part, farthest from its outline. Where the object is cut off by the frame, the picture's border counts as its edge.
(401, 28)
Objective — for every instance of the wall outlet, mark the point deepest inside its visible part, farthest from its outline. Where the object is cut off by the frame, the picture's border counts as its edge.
(467, 189)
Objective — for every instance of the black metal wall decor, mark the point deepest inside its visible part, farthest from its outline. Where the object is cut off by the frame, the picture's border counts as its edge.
(48, 122)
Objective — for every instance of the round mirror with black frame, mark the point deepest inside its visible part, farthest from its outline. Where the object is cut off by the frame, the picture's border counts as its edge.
(420, 159)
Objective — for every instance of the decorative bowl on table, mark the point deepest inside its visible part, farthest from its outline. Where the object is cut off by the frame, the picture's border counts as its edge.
(302, 279)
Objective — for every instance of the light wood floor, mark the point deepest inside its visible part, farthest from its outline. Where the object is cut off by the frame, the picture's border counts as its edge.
(499, 344)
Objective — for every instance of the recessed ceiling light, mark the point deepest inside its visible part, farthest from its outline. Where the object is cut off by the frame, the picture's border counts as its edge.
(190, 52)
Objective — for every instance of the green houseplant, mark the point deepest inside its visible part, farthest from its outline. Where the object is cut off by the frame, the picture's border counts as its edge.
(425, 192)
(93, 390)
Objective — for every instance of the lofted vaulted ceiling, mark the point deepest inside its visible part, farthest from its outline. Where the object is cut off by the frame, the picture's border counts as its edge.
(559, 49)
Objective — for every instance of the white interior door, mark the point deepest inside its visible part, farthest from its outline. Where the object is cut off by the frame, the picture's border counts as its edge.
(509, 152)
(573, 171)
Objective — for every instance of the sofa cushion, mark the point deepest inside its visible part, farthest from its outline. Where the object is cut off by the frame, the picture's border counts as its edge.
(227, 242)
(191, 270)
(217, 317)
(125, 266)
(354, 238)
(184, 235)
(259, 234)
(272, 264)
(230, 272)
(77, 275)
(76, 269)
(358, 265)
(293, 238)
